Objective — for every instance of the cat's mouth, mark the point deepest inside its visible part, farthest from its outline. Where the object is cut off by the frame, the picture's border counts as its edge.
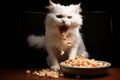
(63, 28)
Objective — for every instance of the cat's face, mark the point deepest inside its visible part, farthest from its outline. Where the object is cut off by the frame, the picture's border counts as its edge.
(63, 17)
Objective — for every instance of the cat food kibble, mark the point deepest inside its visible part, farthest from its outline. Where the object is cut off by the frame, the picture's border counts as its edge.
(82, 62)
(28, 71)
(69, 43)
(64, 38)
(62, 52)
(47, 73)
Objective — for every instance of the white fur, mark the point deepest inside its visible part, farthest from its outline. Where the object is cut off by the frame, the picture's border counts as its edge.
(53, 40)
(36, 41)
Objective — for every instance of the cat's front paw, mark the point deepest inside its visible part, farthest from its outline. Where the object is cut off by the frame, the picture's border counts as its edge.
(71, 57)
(56, 68)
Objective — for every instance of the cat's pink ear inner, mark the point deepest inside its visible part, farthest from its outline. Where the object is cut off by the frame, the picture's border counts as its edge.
(51, 3)
(79, 4)
(78, 8)
(51, 6)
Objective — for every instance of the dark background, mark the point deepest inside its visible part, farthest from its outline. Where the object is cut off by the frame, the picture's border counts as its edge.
(21, 18)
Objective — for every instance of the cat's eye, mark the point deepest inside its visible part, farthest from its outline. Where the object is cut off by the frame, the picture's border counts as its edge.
(59, 16)
(69, 17)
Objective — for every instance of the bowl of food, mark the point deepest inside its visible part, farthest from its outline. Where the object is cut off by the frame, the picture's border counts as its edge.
(83, 66)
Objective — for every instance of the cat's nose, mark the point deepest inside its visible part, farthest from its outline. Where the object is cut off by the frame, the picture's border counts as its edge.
(63, 21)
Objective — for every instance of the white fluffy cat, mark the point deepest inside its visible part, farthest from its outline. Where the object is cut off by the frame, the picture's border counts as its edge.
(61, 20)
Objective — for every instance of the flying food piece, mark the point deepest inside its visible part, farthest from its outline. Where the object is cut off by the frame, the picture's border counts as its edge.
(62, 52)
(69, 43)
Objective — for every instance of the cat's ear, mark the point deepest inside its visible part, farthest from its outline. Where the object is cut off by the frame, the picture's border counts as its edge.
(51, 6)
(78, 8)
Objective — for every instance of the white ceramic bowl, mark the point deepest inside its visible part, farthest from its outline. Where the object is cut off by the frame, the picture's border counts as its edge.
(85, 71)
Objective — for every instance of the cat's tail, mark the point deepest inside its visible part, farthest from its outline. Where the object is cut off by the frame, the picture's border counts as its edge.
(36, 41)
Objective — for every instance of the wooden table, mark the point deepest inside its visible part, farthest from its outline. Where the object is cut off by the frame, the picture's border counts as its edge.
(20, 74)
